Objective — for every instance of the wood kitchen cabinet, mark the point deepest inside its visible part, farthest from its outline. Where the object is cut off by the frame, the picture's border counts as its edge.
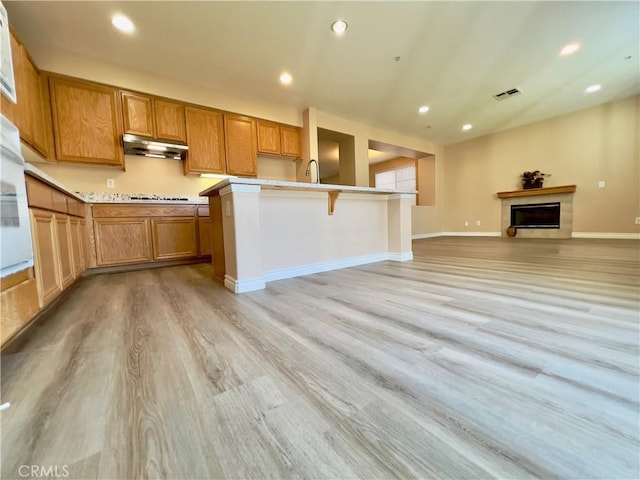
(137, 112)
(18, 302)
(58, 234)
(239, 136)
(65, 255)
(122, 240)
(277, 139)
(204, 231)
(205, 136)
(170, 120)
(45, 255)
(290, 141)
(153, 117)
(174, 238)
(87, 122)
(134, 233)
(77, 237)
(268, 137)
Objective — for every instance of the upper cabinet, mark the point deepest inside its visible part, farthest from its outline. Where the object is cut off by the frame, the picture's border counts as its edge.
(86, 122)
(205, 136)
(153, 117)
(290, 141)
(239, 134)
(30, 114)
(268, 137)
(137, 111)
(170, 121)
(277, 139)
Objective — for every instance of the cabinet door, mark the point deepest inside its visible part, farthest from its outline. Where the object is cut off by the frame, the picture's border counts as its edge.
(86, 122)
(137, 111)
(268, 137)
(170, 123)
(121, 241)
(204, 232)
(76, 246)
(65, 255)
(174, 238)
(240, 139)
(43, 231)
(35, 133)
(290, 141)
(205, 136)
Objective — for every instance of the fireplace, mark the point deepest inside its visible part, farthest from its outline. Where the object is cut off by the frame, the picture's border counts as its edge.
(536, 215)
(545, 212)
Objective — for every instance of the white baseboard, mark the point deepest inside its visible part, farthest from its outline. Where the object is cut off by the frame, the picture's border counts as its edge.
(457, 234)
(619, 236)
(243, 286)
(298, 271)
(426, 235)
(400, 257)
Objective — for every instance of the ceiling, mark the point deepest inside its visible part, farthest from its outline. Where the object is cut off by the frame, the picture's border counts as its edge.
(453, 56)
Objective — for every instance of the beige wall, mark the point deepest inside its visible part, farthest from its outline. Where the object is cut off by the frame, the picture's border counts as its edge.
(581, 148)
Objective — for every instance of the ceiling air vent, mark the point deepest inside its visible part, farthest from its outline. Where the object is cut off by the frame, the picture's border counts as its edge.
(507, 94)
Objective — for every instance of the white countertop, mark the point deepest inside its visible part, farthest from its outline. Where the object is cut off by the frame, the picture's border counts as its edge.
(100, 197)
(318, 187)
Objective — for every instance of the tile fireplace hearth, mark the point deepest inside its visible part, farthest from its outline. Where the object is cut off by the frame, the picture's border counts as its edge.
(538, 200)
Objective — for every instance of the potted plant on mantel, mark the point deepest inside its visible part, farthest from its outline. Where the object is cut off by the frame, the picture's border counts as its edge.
(533, 179)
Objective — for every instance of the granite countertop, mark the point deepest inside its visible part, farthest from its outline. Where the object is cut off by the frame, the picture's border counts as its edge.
(318, 187)
(99, 197)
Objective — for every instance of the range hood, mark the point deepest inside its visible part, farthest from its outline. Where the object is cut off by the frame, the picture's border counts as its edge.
(148, 147)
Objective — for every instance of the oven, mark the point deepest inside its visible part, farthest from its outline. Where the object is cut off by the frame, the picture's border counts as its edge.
(16, 253)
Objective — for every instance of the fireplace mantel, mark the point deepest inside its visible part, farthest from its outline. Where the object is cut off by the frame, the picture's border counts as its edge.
(538, 191)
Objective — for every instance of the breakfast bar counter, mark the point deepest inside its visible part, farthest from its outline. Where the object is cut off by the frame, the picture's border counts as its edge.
(265, 230)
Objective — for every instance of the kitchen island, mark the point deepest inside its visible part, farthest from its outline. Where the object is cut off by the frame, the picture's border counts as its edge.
(265, 230)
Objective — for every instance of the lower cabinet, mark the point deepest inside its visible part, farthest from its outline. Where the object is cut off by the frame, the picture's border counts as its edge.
(18, 302)
(204, 232)
(65, 257)
(174, 238)
(133, 233)
(45, 252)
(122, 240)
(76, 229)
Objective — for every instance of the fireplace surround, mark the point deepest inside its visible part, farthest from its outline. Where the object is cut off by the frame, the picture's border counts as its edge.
(541, 198)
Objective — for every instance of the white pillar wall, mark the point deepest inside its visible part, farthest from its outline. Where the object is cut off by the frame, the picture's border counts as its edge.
(399, 231)
(242, 242)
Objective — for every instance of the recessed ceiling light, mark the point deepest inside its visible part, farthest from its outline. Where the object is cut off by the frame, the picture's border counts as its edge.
(339, 27)
(423, 109)
(285, 78)
(593, 88)
(467, 126)
(123, 23)
(569, 49)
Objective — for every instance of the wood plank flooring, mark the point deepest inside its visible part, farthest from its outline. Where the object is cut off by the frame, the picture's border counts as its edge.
(482, 358)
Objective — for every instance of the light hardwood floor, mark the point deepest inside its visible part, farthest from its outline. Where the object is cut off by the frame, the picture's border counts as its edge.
(482, 358)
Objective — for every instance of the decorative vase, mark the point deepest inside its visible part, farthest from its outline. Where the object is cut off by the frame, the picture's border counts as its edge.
(512, 231)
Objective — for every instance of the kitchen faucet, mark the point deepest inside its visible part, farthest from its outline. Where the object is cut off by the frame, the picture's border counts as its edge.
(308, 173)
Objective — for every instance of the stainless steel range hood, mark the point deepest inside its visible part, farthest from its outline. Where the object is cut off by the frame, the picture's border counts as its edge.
(148, 147)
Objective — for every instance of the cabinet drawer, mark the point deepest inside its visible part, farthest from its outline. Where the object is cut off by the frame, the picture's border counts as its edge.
(203, 211)
(39, 194)
(128, 210)
(59, 201)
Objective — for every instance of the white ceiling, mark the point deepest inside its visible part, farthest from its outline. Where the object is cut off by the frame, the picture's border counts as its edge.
(453, 55)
